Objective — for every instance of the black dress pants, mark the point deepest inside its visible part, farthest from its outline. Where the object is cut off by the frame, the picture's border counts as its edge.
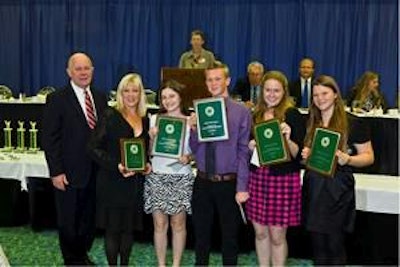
(76, 222)
(215, 199)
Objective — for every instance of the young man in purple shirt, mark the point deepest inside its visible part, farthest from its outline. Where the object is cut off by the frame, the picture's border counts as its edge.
(220, 191)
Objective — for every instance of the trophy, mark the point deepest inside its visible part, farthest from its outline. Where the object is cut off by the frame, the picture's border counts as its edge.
(20, 137)
(33, 137)
(7, 136)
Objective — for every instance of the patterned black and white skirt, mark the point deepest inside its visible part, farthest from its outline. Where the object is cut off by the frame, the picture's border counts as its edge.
(168, 193)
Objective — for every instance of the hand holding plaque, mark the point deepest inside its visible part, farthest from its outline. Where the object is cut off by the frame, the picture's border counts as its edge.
(211, 119)
(271, 145)
(170, 138)
(133, 154)
(322, 158)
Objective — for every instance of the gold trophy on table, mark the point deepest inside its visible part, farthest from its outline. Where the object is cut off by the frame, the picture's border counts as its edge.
(33, 147)
(20, 137)
(7, 137)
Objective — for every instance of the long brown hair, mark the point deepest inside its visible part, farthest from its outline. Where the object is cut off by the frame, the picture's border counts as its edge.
(176, 87)
(362, 86)
(338, 122)
(280, 109)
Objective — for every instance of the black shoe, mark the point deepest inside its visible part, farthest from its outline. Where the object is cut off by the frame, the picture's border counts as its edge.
(89, 262)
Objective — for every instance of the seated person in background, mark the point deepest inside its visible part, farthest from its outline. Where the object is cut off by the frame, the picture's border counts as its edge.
(198, 57)
(248, 88)
(365, 95)
(300, 89)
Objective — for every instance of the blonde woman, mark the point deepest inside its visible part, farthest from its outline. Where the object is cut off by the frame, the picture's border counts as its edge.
(120, 192)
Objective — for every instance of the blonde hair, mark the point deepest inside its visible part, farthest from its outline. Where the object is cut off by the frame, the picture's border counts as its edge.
(218, 65)
(136, 80)
(281, 108)
(338, 122)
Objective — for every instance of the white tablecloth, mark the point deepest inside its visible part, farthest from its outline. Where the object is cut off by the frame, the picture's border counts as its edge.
(19, 166)
(391, 114)
(374, 192)
(377, 193)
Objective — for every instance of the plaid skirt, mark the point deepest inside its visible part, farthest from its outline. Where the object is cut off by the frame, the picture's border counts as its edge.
(274, 200)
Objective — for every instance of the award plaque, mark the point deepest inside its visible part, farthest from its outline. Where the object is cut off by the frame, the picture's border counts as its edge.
(271, 144)
(133, 154)
(170, 138)
(322, 158)
(211, 119)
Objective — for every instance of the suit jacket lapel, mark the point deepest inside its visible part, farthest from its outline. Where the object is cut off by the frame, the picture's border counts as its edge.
(96, 100)
(72, 98)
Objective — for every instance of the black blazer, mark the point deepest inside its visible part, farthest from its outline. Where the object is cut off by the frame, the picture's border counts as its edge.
(66, 133)
(298, 125)
(242, 88)
(295, 91)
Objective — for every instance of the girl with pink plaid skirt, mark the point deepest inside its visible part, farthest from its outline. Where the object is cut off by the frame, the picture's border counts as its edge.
(275, 191)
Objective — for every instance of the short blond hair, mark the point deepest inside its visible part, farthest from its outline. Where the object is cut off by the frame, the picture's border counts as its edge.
(136, 80)
(218, 65)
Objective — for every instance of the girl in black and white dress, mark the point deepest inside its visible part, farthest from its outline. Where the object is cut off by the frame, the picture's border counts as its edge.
(168, 188)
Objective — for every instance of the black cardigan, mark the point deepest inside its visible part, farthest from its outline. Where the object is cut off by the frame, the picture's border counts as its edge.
(297, 124)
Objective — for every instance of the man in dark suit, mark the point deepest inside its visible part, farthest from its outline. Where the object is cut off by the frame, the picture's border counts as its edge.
(300, 89)
(69, 117)
(248, 88)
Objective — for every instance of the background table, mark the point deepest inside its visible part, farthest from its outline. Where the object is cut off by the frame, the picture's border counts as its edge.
(26, 193)
(385, 141)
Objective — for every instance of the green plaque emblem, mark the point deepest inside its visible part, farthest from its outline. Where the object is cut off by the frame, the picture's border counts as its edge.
(271, 144)
(322, 158)
(169, 141)
(133, 154)
(211, 119)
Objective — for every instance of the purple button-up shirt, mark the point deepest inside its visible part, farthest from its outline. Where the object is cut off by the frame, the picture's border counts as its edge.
(232, 155)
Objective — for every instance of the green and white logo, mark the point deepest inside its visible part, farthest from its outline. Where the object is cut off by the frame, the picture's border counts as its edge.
(209, 111)
(134, 149)
(325, 141)
(268, 133)
(169, 129)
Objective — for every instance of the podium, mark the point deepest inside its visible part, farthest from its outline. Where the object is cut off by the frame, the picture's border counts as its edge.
(193, 79)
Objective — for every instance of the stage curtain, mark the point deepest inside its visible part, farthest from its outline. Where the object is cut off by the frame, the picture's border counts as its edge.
(345, 37)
